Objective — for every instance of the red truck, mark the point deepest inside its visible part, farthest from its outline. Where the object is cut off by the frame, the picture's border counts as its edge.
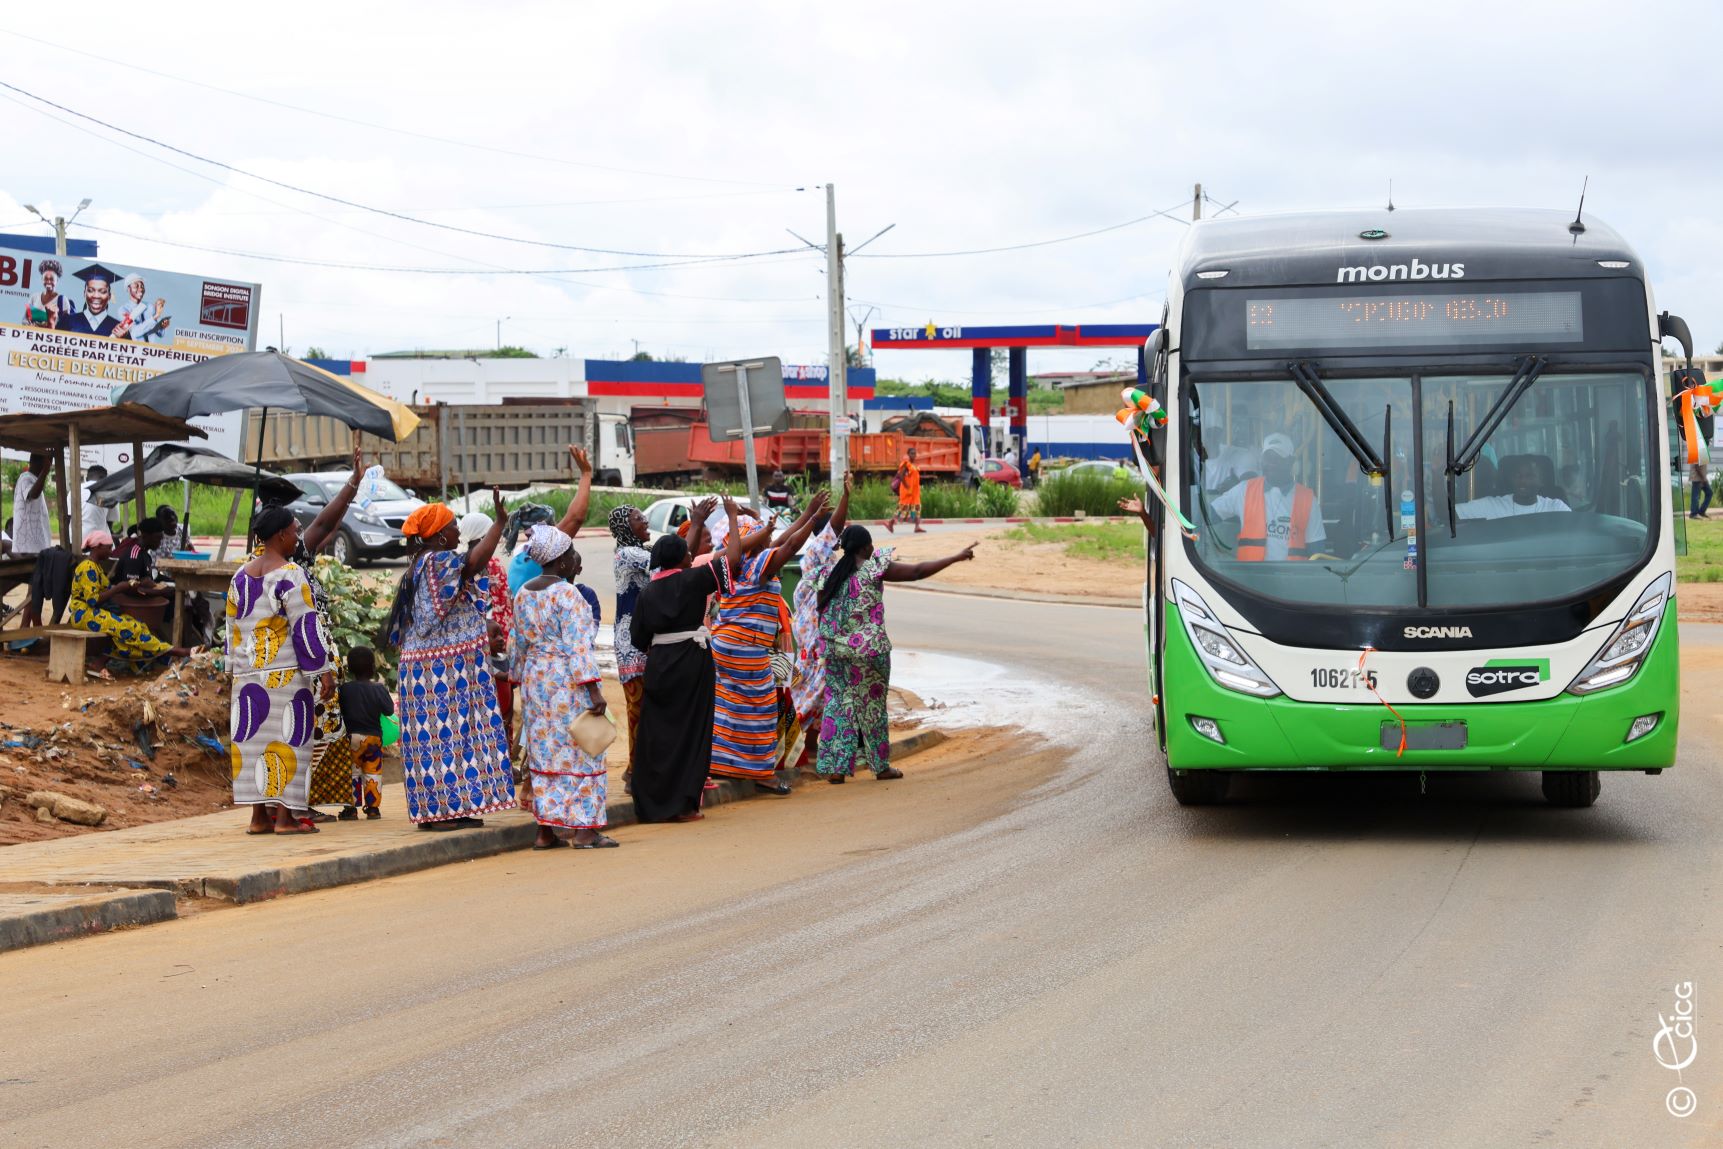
(673, 444)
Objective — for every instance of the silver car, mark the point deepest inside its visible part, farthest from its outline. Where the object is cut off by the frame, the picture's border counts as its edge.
(365, 533)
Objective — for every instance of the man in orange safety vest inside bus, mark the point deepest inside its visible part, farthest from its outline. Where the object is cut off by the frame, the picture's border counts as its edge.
(1278, 518)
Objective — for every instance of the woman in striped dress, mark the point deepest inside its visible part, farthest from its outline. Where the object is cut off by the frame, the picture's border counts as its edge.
(745, 713)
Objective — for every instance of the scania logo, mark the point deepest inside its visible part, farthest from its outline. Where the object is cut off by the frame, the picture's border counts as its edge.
(1415, 270)
(1437, 632)
(1501, 675)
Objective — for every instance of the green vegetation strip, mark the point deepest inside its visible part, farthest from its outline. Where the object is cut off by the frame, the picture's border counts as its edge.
(1107, 542)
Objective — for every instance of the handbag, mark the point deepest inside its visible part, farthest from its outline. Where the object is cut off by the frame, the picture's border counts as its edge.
(896, 483)
(594, 732)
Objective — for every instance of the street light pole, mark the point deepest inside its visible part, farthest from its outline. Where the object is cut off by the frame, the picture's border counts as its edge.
(58, 223)
(837, 377)
(500, 331)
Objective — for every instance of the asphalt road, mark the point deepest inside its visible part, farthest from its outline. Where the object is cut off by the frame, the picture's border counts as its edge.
(1043, 950)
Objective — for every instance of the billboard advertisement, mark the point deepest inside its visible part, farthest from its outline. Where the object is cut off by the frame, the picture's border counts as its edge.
(74, 331)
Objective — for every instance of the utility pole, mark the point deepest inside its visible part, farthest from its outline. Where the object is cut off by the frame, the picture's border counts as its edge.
(837, 375)
(500, 331)
(1197, 203)
(58, 223)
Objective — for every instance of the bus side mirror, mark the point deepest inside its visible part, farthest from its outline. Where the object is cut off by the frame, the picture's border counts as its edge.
(1674, 327)
(1155, 344)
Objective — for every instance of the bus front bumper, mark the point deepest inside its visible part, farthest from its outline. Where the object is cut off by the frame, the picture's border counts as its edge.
(1570, 732)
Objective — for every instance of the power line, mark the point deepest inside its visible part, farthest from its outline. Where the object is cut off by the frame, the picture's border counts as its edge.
(1050, 308)
(385, 212)
(1161, 213)
(381, 127)
(401, 270)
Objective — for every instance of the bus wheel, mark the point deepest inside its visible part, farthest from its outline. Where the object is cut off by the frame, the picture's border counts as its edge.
(1571, 787)
(1198, 787)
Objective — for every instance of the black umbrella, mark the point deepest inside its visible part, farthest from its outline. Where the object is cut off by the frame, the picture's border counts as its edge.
(170, 462)
(269, 379)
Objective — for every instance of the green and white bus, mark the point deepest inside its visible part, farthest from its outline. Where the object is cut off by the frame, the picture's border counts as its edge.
(1428, 465)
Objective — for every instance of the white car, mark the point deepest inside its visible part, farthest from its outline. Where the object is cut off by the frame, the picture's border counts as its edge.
(666, 515)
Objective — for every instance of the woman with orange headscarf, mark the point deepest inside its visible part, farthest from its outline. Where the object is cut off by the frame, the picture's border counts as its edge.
(454, 747)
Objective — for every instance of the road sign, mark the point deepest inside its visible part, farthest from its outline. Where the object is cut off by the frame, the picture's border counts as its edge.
(768, 412)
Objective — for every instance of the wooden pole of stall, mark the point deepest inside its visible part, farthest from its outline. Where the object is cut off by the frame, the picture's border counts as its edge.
(138, 478)
(227, 531)
(74, 449)
(60, 484)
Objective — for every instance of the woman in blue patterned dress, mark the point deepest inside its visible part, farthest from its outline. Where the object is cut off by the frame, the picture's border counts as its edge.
(551, 653)
(454, 748)
(745, 714)
(858, 653)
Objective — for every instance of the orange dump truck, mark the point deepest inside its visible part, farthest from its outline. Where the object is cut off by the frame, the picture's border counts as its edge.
(806, 446)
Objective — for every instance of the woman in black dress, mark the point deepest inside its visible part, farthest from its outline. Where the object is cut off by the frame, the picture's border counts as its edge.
(675, 748)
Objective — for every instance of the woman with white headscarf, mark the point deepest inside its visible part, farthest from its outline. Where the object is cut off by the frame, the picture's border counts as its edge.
(555, 661)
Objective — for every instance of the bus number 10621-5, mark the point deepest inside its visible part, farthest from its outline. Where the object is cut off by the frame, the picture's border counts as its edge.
(1342, 678)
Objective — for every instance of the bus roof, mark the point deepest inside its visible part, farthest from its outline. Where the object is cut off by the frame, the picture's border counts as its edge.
(1315, 247)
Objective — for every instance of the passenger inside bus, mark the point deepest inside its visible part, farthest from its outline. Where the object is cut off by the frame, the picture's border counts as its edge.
(1526, 482)
(1279, 519)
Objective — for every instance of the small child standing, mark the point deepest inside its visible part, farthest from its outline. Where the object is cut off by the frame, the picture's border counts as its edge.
(364, 701)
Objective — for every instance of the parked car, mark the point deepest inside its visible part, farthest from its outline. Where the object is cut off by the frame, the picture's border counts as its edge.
(365, 533)
(1097, 468)
(1001, 471)
(664, 516)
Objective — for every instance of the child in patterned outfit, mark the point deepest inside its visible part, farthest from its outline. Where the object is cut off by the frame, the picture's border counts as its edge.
(364, 701)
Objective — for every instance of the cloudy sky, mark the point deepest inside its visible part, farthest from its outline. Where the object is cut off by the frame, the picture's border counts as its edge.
(684, 131)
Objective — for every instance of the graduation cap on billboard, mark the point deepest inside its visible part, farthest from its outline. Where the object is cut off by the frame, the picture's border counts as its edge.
(97, 273)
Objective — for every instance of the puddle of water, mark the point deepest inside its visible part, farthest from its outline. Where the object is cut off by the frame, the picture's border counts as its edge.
(966, 692)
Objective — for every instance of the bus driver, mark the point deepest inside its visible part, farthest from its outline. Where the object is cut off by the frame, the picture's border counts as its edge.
(1278, 518)
(1524, 497)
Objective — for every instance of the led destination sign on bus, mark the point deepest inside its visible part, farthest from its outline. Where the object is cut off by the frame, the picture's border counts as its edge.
(1424, 320)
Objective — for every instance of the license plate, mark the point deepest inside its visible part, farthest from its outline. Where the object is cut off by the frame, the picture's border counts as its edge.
(1425, 736)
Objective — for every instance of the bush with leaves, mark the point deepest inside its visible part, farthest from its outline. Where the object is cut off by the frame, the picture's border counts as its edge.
(357, 609)
(1092, 494)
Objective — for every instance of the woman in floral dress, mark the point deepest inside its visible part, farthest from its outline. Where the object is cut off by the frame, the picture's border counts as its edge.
(858, 653)
(808, 684)
(630, 571)
(553, 658)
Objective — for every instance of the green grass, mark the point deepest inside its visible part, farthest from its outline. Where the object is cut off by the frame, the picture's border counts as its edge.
(1703, 561)
(1107, 542)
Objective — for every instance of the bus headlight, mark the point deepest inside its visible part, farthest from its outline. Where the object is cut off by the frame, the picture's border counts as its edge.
(1628, 644)
(1226, 662)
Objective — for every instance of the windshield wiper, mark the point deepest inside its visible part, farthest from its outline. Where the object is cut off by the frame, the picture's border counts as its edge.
(1525, 374)
(1338, 420)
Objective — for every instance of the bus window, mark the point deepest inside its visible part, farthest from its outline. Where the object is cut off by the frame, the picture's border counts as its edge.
(1281, 505)
(1561, 496)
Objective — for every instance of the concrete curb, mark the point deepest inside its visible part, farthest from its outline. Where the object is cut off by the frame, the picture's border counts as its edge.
(43, 918)
(1009, 520)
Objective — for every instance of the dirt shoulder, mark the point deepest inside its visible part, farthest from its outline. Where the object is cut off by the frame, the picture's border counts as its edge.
(1007, 564)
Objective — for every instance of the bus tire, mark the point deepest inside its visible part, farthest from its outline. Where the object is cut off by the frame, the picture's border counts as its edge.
(1199, 787)
(1571, 787)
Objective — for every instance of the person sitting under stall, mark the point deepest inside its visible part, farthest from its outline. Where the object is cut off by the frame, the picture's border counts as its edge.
(1279, 519)
(91, 595)
(1523, 497)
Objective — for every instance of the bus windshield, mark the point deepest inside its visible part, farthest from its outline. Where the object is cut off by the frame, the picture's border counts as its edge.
(1561, 495)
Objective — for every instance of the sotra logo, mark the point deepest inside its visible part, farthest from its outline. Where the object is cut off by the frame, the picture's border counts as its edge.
(1503, 674)
(1415, 270)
